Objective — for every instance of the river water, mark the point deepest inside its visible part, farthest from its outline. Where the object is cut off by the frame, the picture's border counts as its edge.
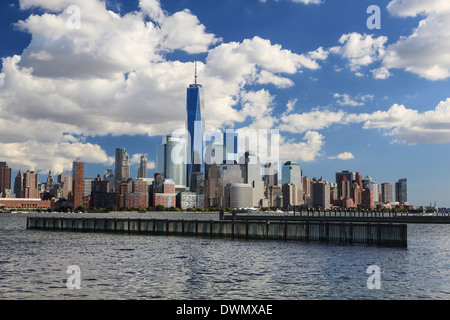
(34, 265)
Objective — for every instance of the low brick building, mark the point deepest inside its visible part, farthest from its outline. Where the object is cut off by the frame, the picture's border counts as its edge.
(24, 204)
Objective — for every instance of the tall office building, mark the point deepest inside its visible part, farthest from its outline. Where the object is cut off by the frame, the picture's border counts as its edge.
(65, 182)
(87, 186)
(230, 141)
(170, 159)
(78, 183)
(290, 195)
(142, 172)
(18, 185)
(30, 185)
(122, 171)
(109, 176)
(351, 176)
(195, 126)
(291, 173)
(401, 191)
(387, 192)
(373, 185)
(174, 156)
(320, 193)
(214, 154)
(5, 177)
(252, 173)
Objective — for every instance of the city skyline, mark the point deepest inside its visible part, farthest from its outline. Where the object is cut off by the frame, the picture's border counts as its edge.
(344, 97)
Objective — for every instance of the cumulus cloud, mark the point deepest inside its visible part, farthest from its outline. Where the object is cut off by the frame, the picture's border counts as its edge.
(112, 77)
(307, 150)
(312, 120)
(343, 156)
(404, 124)
(346, 100)
(425, 52)
(57, 156)
(360, 49)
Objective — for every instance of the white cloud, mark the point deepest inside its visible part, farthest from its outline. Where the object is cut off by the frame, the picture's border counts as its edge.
(57, 156)
(290, 106)
(426, 51)
(346, 100)
(313, 120)
(404, 124)
(381, 73)
(343, 156)
(411, 126)
(307, 150)
(111, 77)
(360, 50)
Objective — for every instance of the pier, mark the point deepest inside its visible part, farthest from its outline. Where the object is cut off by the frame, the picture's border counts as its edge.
(378, 234)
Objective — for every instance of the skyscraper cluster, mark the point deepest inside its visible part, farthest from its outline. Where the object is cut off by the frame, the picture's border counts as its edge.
(194, 173)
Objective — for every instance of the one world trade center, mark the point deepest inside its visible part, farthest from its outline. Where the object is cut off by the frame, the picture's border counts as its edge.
(195, 126)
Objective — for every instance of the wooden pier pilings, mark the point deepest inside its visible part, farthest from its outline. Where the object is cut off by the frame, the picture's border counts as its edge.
(380, 234)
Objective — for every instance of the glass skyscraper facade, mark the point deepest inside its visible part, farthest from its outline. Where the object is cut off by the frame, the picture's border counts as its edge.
(195, 125)
(401, 191)
(291, 172)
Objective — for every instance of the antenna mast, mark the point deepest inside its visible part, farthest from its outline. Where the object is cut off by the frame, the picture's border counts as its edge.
(195, 81)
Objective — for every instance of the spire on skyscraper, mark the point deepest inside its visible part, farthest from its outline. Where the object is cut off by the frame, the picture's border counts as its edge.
(195, 79)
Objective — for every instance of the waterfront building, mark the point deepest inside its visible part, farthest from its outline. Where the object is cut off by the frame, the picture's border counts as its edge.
(401, 191)
(167, 197)
(290, 195)
(291, 173)
(270, 175)
(5, 177)
(272, 194)
(320, 193)
(142, 171)
(87, 186)
(187, 200)
(387, 192)
(138, 197)
(239, 195)
(101, 196)
(160, 156)
(214, 154)
(251, 168)
(170, 159)
(65, 184)
(24, 204)
(367, 199)
(230, 141)
(350, 176)
(306, 186)
(374, 186)
(219, 176)
(30, 185)
(78, 183)
(356, 193)
(174, 164)
(109, 176)
(122, 170)
(358, 180)
(195, 127)
(18, 185)
(344, 187)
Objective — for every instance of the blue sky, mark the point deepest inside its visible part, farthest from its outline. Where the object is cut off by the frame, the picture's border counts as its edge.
(344, 97)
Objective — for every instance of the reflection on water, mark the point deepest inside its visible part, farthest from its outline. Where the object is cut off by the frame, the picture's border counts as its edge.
(33, 265)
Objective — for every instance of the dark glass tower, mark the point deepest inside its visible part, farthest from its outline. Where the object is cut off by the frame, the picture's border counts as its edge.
(195, 126)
